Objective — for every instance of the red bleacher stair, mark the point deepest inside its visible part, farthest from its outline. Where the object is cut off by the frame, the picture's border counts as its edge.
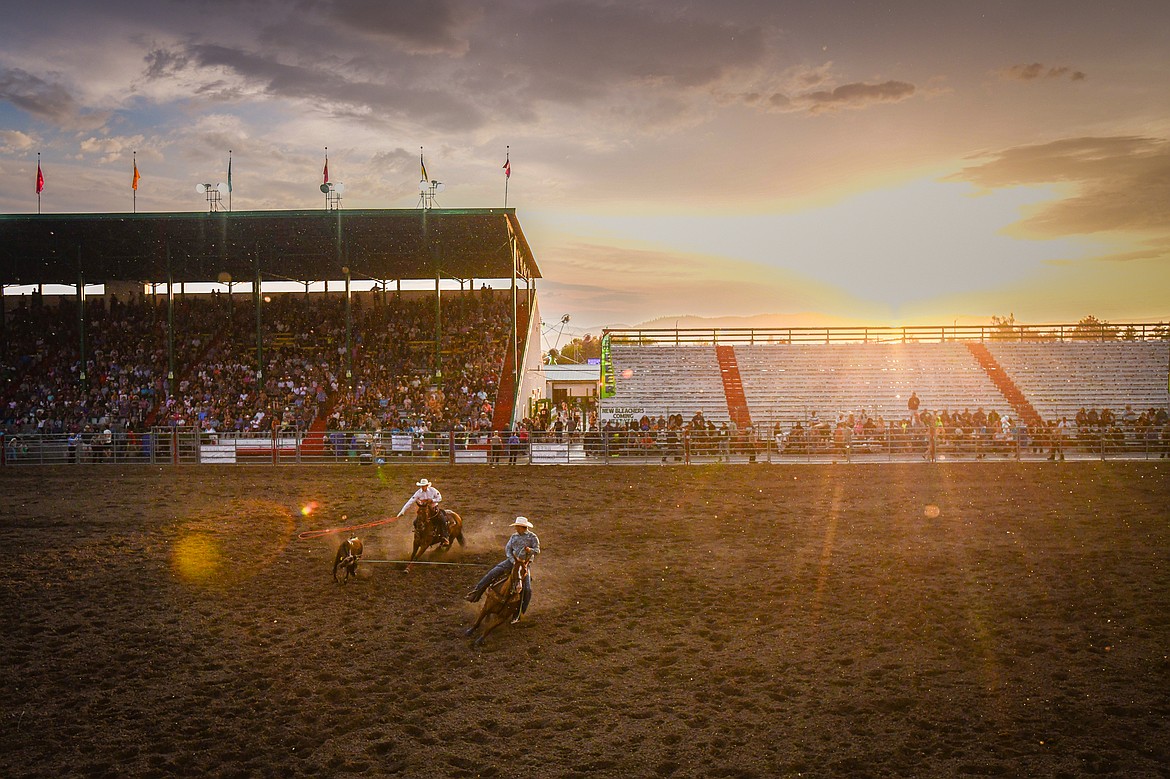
(506, 391)
(1023, 408)
(737, 406)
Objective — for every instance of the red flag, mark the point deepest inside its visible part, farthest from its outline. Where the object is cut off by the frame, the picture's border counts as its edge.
(40, 180)
(326, 172)
(508, 168)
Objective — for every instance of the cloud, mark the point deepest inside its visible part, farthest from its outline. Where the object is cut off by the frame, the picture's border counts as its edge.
(857, 95)
(796, 91)
(1035, 70)
(325, 88)
(161, 63)
(110, 148)
(14, 141)
(396, 161)
(437, 30)
(47, 101)
(1120, 183)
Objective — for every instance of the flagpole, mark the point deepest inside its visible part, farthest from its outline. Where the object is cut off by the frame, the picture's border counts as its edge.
(229, 180)
(134, 184)
(507, 172)
(38, 182)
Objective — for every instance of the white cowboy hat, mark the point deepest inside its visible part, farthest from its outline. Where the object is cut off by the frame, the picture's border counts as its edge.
(422, 483)
(523, 521)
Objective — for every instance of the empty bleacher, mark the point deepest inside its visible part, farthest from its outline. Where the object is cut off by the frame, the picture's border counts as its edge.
(787, 382)
(666, 380)
(1059, 378)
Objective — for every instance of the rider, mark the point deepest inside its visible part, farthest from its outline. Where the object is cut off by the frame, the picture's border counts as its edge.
(521, 543)
(426, 495)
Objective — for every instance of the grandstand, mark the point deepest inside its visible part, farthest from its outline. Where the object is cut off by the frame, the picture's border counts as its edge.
(773, 380)
(188, 331)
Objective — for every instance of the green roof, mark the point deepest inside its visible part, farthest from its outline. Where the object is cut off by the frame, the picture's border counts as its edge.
(301, 245)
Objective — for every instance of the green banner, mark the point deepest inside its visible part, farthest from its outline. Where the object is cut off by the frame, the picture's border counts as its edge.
(608, 385)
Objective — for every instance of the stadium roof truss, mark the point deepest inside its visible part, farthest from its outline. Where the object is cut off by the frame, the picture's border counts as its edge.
(379, 244)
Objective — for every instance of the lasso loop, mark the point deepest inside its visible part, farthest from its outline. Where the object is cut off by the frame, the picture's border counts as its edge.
(308, 534)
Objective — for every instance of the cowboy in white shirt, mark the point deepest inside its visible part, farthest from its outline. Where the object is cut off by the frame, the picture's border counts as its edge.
(427, 495)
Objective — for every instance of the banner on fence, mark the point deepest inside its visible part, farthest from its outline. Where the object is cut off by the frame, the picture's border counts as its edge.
(622, 413)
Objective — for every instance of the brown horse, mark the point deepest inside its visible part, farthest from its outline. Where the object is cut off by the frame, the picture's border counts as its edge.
(425, 535)
(346, 561)
(501, 601)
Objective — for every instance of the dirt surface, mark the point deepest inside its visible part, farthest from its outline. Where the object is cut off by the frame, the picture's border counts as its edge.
(691, 621)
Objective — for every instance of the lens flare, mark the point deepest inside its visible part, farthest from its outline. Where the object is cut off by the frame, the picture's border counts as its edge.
(931, 511)
(197, 558)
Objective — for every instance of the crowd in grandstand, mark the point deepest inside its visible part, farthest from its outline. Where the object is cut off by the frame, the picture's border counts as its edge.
(399, 381)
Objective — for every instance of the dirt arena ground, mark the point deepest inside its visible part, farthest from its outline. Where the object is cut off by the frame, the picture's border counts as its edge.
(742, 621)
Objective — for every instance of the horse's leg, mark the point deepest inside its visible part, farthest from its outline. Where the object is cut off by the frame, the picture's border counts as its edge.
(483, 612)
(415, 552)
(490, 625)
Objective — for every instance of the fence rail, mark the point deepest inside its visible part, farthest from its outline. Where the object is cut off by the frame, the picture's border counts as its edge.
(1136, 331)
(186, 446)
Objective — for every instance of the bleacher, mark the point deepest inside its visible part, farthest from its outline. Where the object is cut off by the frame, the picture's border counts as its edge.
(788, 375)
(1061, 378)
(667, 380)
(787, 382)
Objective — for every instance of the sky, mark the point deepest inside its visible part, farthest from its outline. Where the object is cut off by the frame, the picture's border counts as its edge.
(789, 163)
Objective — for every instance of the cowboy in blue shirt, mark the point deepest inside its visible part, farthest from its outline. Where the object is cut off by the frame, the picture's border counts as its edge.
(522, 544)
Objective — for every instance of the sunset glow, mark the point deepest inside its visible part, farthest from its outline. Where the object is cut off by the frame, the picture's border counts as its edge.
(925, 163)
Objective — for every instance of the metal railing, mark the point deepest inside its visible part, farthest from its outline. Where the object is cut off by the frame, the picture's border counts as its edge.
(1136, 331)
(186, 446)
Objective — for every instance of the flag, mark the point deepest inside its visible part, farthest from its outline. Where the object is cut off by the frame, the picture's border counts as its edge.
(134, 183)
(325, 172)
(229, 174)
(423, 165)
(40, 180)
(508, 168)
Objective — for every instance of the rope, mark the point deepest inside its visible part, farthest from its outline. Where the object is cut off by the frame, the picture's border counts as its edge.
(421, 562)
(308, 534)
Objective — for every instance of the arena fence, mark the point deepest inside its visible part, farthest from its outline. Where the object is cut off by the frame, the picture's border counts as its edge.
(187, 446)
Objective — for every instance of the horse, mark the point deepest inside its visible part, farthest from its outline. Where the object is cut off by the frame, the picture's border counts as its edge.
(346, 561)
(501, 601)
(425, 535)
